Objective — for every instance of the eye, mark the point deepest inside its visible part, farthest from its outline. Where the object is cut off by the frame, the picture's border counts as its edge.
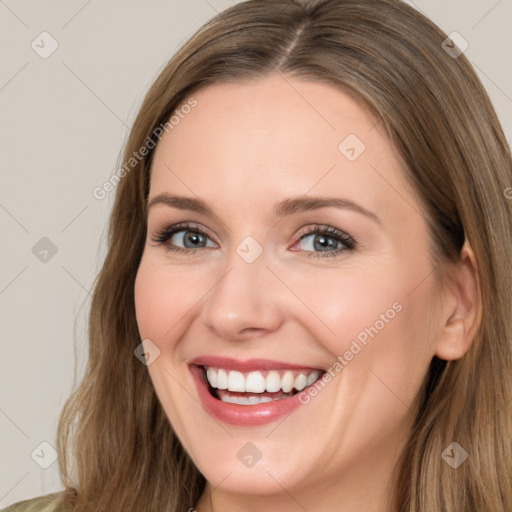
(321, 241)
(185, 238)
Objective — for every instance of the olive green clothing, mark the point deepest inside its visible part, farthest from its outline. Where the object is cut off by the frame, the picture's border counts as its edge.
(45, 503)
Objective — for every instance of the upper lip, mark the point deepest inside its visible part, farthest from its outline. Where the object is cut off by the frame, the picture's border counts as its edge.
(247, 365)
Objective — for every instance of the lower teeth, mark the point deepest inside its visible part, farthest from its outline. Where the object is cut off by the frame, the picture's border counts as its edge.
(246, 400)
(239, 399)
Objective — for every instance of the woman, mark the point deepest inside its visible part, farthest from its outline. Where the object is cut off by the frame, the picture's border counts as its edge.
(306, 300)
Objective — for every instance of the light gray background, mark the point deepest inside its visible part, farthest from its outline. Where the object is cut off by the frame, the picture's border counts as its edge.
(64, 120)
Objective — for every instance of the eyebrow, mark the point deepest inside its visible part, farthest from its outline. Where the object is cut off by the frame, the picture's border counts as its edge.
(289, 206)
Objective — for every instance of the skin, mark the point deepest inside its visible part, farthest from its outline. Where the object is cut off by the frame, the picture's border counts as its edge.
(244, 148)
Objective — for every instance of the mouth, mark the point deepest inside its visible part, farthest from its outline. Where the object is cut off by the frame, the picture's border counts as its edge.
(251, 392)
(256, 387)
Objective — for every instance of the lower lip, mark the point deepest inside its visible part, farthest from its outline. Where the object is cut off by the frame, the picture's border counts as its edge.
(243, 415)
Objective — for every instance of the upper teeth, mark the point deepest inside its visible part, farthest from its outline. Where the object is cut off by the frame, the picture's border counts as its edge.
(259, 382)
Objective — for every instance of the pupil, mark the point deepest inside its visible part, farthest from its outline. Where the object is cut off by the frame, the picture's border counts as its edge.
(193, 238)
(323, 242)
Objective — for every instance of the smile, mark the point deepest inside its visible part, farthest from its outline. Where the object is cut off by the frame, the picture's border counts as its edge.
(258, 386)
(250, 392)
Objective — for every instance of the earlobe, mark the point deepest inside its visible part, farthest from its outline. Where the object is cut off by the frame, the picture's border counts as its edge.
(462, 307)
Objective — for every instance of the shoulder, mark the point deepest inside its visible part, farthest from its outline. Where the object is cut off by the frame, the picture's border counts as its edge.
(47, 503)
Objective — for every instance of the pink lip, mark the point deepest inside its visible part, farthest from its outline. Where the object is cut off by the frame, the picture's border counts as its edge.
(242, 415)
(247, 365)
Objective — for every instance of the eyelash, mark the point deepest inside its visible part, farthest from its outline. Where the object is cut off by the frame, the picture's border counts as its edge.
(165, 233)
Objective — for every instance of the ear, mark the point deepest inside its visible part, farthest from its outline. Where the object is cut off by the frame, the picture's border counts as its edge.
(462, 307)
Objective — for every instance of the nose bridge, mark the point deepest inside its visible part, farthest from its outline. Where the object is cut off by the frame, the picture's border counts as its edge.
(243, 299)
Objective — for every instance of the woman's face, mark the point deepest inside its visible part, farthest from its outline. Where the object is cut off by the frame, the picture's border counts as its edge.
(250, 290)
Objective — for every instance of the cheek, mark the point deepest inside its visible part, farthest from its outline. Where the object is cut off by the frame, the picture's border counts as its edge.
(162, 301)
(379, 320)
(347, 304)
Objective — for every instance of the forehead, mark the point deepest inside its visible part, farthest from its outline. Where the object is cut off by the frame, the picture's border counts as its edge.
(253, 142)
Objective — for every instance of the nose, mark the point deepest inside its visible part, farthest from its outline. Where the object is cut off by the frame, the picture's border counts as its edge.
(245, 302)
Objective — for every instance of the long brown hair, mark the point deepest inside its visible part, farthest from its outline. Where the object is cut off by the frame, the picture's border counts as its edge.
(117, 449)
